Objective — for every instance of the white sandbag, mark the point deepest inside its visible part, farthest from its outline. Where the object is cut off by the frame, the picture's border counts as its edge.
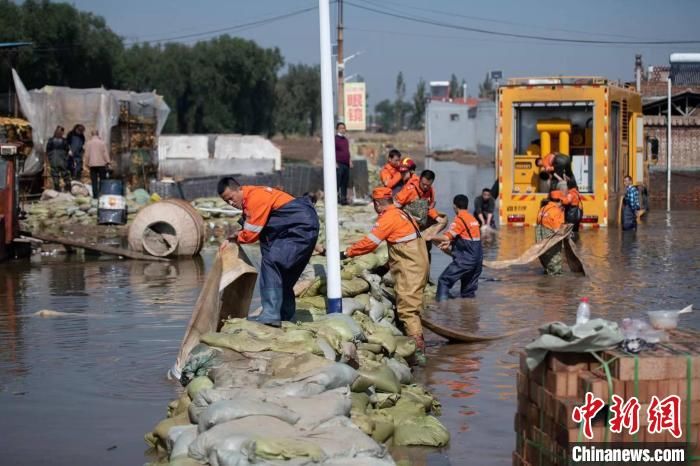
(180, 438)
(211, 395)
(361, 461)
(340, 438)
(402, 371)
(229, 410)
(332, 376)
(315, 410)
(232, 435)
(345, 326)
(350, 305)
(226, 457)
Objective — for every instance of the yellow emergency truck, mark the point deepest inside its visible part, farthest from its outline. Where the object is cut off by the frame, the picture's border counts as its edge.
(595, 121)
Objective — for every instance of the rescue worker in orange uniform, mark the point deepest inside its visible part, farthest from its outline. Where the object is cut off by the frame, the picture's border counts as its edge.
(408, 261)
(549, 220)
(390, 175)
(464, 236)
(417, 198)
(555, 167)
(287, 229)
(573, 205)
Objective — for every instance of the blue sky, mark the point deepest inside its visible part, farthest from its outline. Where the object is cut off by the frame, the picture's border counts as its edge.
(392, 44)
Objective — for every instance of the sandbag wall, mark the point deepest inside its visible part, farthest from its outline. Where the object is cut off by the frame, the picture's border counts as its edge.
(323, 389)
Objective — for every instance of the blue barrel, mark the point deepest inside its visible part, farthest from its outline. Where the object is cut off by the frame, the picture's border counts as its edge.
(111, 207)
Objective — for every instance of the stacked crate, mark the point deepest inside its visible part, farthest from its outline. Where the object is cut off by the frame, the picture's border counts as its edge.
(548, 394)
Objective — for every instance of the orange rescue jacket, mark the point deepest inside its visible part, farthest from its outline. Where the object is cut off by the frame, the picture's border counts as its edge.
(393, 225)
(411, 191)
(390, 176)
(464, 226)
(551, 216)
(573, 198)
(258, 203)
(548, 163)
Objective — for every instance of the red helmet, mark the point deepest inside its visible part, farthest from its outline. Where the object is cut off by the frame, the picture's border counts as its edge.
(407, 165)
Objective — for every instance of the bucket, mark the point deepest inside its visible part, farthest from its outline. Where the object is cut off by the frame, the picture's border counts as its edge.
(111, 206)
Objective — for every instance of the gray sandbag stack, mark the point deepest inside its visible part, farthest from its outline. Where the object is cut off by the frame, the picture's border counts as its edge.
(336, 390)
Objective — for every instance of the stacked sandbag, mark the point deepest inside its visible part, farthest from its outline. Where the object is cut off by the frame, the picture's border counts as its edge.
(335, 390)
(57, 212)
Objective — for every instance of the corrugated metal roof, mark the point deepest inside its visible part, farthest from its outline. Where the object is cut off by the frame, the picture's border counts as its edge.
(685, 74)
(660, 120)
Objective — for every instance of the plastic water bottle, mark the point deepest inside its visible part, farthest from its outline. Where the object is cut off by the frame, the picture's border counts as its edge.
(583, 313)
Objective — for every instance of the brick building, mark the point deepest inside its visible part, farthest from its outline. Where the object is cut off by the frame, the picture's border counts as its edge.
(685, 132)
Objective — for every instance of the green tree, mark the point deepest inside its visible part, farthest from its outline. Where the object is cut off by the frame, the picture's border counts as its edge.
(454, 87)
(385, 117)
(298, 100)
(70, 47)
(487, 89)
(418, 111)
(399, 110)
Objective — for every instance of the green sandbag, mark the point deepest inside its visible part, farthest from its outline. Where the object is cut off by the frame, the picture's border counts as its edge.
(359, 403)
(383, 426)
(383, 337)
(405, 346)
(371, 347)
(385, 400)
(363, 299)
(318, 302)
(287, 449)
(380, 376)
(198, 384)
(179, 406)
(364, 422)
(425, 431)
(296, 341)
(315, 289)
(403, 411)
(254, 328)
(159, 435)
(364, 355)
(241, 341)
(419, 395)
(353, 287)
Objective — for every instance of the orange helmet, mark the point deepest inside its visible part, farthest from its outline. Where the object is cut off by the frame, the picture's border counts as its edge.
(381, 193)
(407, 165)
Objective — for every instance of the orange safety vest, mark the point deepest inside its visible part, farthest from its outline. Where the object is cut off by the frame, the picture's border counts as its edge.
(551, 216)
(393, 226)
(390, 176)
(464, 226)
(258, 203)
(573, 198)
(411, 191)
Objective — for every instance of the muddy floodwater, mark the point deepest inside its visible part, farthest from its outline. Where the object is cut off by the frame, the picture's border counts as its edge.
(83, 389)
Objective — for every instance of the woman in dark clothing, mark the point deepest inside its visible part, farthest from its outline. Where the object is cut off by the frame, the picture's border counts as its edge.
(76, 143)
(57, 152)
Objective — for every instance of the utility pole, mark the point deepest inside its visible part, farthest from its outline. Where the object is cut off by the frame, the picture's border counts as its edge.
(340, 65)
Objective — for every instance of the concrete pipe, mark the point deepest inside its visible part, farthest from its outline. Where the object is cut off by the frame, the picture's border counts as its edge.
(168, 228)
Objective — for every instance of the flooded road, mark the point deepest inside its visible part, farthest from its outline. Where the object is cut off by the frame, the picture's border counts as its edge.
(82, 390)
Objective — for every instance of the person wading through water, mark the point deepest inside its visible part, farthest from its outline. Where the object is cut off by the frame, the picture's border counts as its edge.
(287, 228)
(464, 239)
(549, 220)
(408, 262)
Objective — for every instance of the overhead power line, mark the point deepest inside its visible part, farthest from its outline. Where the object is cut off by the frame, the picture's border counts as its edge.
(521, 36)
(452, 14)
(234, 28)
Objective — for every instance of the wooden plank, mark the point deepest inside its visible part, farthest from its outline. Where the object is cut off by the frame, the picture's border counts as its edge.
(98, 247)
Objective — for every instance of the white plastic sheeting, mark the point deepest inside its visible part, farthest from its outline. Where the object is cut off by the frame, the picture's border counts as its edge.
(96, 108)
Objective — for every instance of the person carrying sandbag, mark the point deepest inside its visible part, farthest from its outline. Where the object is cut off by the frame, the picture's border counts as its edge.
(287, 228)
(464, 237)
(408, 261)
(417, 197)
(549, 220)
